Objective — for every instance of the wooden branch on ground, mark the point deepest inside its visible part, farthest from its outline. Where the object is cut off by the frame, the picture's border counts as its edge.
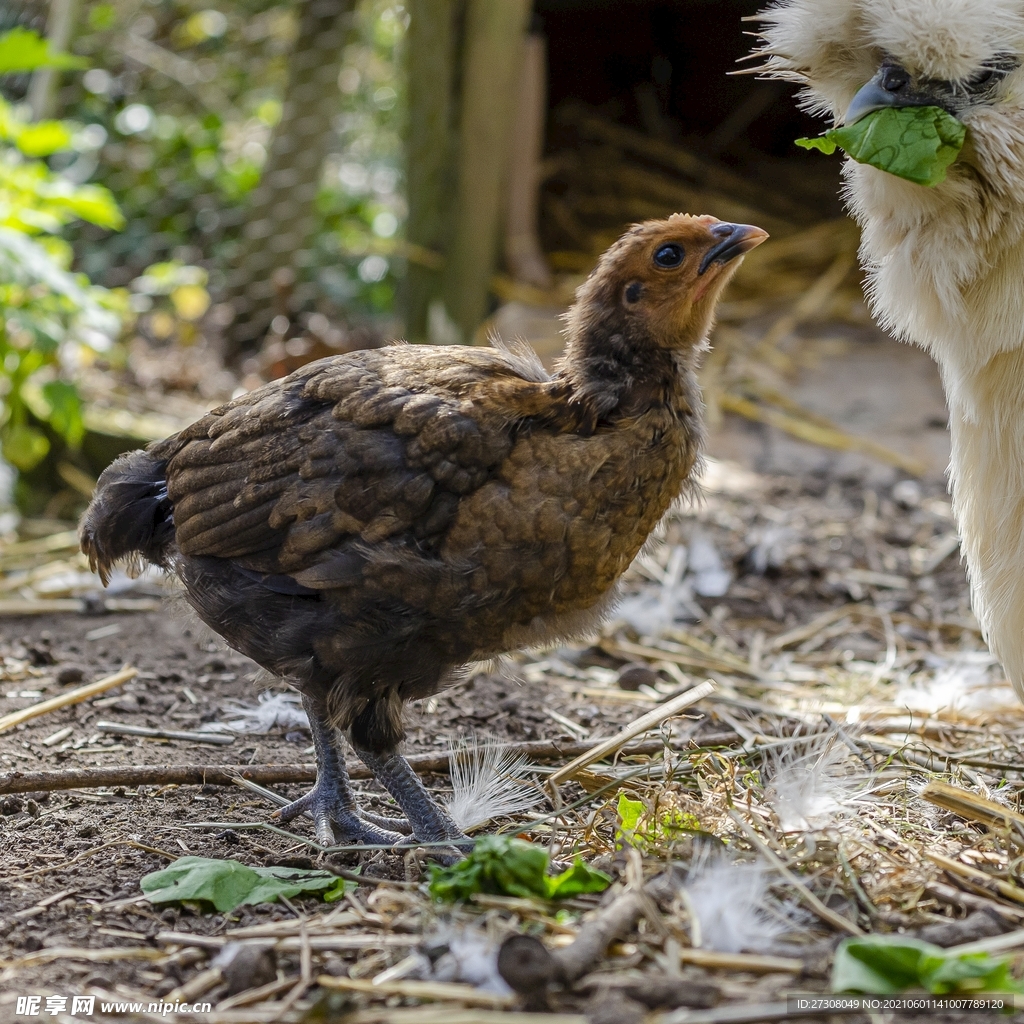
(152, 775)
(226, 774)
(528, 966)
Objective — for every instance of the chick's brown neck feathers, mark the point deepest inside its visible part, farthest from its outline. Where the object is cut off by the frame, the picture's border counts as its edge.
(372, 522)
(646, 311)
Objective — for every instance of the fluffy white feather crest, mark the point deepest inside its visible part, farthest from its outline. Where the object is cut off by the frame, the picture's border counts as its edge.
(835, 46)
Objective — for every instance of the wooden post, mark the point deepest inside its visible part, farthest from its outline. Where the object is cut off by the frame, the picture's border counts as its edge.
(430, 149)
(60, 26)
(493, 52)
(524, 257)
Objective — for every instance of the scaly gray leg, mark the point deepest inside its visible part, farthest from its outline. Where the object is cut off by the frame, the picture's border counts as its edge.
(430, 822)
(330, 802)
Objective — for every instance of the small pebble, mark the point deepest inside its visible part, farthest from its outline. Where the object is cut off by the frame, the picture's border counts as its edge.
(632, 677)
(11, 805)
(70, 674)
(246, 967)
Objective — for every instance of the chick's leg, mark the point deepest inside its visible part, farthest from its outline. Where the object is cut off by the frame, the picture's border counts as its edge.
(430, 822)
(330, 802)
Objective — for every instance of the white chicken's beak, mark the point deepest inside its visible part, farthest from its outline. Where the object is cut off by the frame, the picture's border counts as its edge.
(892, 86)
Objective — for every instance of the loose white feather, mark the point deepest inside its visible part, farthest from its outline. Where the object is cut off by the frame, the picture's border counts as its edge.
(488, 781)
(274, 711)
(966, 680)
(814, 785)
(472, 958)
(733, 905)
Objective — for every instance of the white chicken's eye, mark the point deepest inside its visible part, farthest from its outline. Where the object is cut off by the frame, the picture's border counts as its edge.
(994, 71)
(669, 255)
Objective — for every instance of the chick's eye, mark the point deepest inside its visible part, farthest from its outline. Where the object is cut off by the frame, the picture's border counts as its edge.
(669, 255)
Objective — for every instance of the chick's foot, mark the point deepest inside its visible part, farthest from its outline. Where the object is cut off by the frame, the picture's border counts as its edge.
(330, 802)
(430, 822)
(336, 823)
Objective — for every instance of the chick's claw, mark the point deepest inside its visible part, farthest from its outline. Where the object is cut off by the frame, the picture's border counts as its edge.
(334, 823)
(392, 824)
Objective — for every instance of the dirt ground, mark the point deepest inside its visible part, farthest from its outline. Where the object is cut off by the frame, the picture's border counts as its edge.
(799, 530)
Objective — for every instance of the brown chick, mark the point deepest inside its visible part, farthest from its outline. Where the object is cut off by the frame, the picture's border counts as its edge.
(374, 521)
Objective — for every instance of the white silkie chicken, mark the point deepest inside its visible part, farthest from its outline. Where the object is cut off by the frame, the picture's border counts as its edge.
(945, 264)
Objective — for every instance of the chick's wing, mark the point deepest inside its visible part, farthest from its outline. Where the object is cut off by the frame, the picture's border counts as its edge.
(348, 452)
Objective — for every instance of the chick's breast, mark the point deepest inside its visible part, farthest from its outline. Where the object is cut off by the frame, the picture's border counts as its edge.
(566, 513)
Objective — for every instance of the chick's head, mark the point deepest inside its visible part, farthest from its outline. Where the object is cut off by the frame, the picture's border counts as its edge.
(663, 278)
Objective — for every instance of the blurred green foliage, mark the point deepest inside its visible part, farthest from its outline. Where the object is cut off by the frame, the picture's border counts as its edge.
(177, 114)
(126, 210)
(22, 50)
(51, 320)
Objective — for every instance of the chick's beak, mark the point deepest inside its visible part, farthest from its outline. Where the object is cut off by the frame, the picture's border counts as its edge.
(893, 86)
(733, 240)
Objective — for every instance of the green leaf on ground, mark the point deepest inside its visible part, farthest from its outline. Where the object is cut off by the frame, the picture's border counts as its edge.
(630, 811)
(915, 143)
(575, 880)
(228, 883)
(886, 964)
(651, 829)
(21, 49)
(504, 866)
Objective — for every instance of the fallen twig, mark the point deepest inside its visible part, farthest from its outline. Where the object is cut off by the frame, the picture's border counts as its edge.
(98, 955)
(955, 897)
(992, 944)
(152, 775)
(1005, 889)
(64, 700)
(434, 991)
(753, 963)
(975, 808)
(645, 723)
(227, 774)
(216, 738)
(293, 943)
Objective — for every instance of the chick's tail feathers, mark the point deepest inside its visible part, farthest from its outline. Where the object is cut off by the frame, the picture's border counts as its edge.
(130, 516)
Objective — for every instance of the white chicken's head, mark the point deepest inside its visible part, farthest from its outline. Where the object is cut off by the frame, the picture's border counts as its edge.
(944, 261)
(858, 55)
